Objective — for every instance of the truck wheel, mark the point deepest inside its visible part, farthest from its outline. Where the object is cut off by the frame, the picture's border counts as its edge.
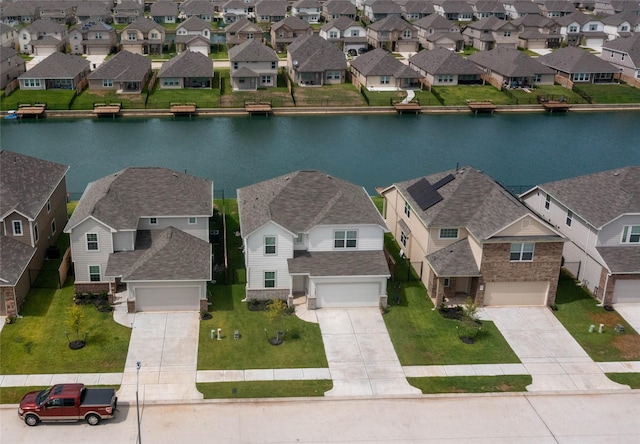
(31, 420)
(92, 419)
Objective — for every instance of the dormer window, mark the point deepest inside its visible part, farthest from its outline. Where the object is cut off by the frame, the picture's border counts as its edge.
(345, 239)
(192, 220)
(631, 234)
(448, 233)
(153, 221)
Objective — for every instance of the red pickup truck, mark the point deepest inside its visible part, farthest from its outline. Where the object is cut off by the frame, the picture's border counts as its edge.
(68, 402)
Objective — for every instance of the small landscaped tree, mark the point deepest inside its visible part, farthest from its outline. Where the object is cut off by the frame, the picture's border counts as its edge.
(471, 324)
(275, 312)
(75, 323)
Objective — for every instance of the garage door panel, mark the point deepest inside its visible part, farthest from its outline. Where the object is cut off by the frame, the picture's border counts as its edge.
(516, 293)
(167, 298)
(626, 291)
(348, 295)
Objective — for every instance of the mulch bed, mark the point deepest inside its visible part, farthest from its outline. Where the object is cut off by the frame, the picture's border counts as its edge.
(100, 302)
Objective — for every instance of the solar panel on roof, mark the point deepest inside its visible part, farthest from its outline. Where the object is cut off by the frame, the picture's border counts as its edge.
(442, 182)
(424, 194)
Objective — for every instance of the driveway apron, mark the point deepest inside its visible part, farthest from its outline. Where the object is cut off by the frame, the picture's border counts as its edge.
(631, 313)
(166, 345)
(550, 354)
(361, 357)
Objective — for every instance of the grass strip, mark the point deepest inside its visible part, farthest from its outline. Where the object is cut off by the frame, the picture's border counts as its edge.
(630, 379)
(264, 389)
(472, 384)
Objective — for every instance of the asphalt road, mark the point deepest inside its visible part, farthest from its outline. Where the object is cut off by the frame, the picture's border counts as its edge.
(513, 418)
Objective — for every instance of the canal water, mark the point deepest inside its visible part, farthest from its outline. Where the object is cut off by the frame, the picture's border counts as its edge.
(370, 150)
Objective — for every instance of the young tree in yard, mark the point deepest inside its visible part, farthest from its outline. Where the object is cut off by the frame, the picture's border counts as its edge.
(75, 323)
(275, 312)
(471, 324)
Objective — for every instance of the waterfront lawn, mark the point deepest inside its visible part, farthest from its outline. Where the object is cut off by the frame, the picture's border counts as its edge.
(302, 346)
(385, 98)
(202, 97)
(551, 91)
(37, 344)
(278, 96)
(421, 336)
(630, 379)
(54, 99)
(611, 93)
(577, 310)
(87, 99)
(264, 389)
(459, 94)
(344, 94)
(472, 384)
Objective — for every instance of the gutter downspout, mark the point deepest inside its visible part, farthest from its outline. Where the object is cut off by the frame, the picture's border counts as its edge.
(604, 290)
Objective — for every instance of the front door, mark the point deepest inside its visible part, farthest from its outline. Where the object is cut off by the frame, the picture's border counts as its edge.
(462, 285)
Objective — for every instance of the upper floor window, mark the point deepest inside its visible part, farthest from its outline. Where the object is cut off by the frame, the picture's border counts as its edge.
(521, 252)
(406, 34)
(131, 35)
(153, 221)
(235, 65)
(573, 28)
(333, 34)
(48, 205)
(569, 220)
(345, 239)
(53, 227)
(403, 238)
(192, 220)
(448, 233)
(631, 234)
(269, 245)
(507, 34)
(17, 227)
(547, 202)
(300, 238)
(92, 241)
(407, 209)
(36, 233)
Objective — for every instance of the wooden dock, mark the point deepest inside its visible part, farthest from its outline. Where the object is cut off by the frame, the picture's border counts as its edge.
(412, 107)
(182, 109)
(481, 106)
(28, 110)
(103, 109)
(552, 106)
(258, 108)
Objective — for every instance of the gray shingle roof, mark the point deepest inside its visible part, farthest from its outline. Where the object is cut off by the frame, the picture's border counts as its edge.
(303, 199)
(120, 199)
(27, 182)
(600, 197)
(252, 51)
(435, 21)
(144, 25)
(630, 45)
(391, 23)
(472, 200)
(242, 24)
(315, 54)
(187, 64)
(385, 7)
(455, 260)
(163, 8)
(443, 61)
(195, 23)
(344, 7)
(339, 263)
(197, 7)
(342, 23)
(45, 26)
(14, 257)
(572, 59)
(576, 16)
(294, 23)
(526, 7)
(492, 23)
(509, 62)
(58, 66)
(163, 255)
(381, 63)
(245, 73)
(621, 260)
(124, 66)
(272, 8)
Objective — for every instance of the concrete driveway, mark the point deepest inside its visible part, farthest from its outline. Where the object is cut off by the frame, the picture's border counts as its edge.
(361, 357)
(630, 313)
(166, 345)
(553, 358)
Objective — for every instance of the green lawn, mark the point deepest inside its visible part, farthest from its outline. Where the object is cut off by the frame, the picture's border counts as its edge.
(421, 336)
(459, 94)
(49, 277)
(278, 96)
(630, 379)
(86, 100)
(329, 95)
(264, 389)
(472, 384)
(385, 98)
(551, 91)
(302, 347)
(13, 395)
(577, 310)
(54, 99)
(611, 93)
(202, 97)
(37, 344)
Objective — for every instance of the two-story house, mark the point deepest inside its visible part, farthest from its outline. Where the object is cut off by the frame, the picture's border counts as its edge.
(621, 25)
(236, 9)
(146, 229)
(143, 36)
(537, 32)
(92, 38)
(33, 211)
(242, 30)
(600, 214)
(308, 10)
(515, 9)
(8, 36)
(287, 30)
(467, 236)
(625, 54)
(491, 32)
(334, 9)
(43, 38)
(12, 66)
(393, 34)
(346, 34)
(203, 9)
(164, 11)
(253, 65)
(194, 34)
(579, 28)
(456, 10)
(127, 11)
(314, 61)
(375, 10)
(435, 31)
(310, 234)
(271, 11)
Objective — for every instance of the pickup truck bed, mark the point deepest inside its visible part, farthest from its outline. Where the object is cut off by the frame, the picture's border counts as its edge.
(95, 396)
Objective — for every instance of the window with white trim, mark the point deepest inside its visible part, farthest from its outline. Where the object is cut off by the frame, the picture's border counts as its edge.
(406, 34)
(107, 83)
(36, 233)
(53, 227)
(403, 238)
(300, 238)
(547, 202)
(385, 80)
(631, 234)
(521, 252)
(92, 242)
(345, 239)
(448, 233)
(94, 273)
(48, 205)
(569, 219)
(269, 245)
(153, 221)
(407, 209)
(447, 282)
(269, 279)
(17, 227)
(192, 220)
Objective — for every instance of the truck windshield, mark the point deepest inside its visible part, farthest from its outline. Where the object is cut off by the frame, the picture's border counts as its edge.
(43, 395)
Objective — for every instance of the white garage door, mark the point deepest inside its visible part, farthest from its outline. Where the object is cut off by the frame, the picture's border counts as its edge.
(167, 299)
(347, 295)
(516, 293)
(626, 291)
